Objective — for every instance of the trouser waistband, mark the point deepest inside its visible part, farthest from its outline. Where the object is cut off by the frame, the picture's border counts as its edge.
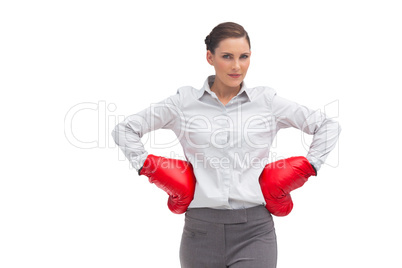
(228, 216)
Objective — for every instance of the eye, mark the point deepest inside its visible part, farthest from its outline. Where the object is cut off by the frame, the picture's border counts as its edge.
(226, 56)
(244, 56)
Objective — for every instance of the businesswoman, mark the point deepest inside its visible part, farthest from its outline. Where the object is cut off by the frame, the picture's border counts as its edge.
(227, 186)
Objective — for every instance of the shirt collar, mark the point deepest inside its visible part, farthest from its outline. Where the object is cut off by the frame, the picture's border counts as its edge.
(210, 80)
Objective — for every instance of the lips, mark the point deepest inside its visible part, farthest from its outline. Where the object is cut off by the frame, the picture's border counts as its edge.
(235, 75)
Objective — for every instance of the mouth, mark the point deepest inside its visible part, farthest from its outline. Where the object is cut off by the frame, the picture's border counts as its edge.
(235, 75)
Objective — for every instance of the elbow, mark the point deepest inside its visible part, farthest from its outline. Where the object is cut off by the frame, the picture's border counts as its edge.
(114, 133)
(336, 130)
(339, 128)
(334, 126)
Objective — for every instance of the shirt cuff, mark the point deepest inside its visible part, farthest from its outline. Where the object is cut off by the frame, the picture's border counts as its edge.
(138, 161)
(316, 163)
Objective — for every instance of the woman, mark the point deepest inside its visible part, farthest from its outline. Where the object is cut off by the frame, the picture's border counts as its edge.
(226, 187)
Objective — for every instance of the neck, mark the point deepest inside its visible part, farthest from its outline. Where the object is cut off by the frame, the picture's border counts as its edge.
(223, 91)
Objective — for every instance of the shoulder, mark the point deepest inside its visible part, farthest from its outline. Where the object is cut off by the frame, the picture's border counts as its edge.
(183, 95)
(189, 94)
(187, 91)
(261, 93)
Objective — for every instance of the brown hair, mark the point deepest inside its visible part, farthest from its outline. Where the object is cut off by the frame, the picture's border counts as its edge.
(223, 31)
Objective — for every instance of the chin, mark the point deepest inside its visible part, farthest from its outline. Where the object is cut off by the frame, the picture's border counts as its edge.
(235, 83)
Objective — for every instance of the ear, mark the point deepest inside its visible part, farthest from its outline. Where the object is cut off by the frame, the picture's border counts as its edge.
(210, 58)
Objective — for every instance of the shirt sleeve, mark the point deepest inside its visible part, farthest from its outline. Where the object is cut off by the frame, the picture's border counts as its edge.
(314, 122)
(129, 132)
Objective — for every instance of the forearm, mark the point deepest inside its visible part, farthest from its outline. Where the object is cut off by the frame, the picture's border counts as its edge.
(128, 137)
(324, 141)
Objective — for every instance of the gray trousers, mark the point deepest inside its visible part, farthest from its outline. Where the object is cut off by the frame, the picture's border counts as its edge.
(241, 238)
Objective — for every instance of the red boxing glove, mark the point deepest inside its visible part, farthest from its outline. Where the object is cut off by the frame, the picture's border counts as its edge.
(279, 178)
(174, 176)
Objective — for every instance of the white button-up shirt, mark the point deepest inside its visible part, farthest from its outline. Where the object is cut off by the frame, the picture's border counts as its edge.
(227, 145)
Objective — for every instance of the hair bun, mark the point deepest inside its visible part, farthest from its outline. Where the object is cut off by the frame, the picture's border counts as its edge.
(207, 40)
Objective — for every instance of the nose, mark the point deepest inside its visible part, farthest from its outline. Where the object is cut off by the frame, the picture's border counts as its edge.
(236, 65)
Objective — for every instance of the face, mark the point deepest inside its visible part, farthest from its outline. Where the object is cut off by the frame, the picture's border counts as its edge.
(231, 61)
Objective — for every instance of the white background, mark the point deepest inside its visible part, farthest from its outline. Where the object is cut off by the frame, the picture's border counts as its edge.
(62, 205)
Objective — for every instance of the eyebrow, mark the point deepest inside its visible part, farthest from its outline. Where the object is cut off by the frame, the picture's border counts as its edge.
(227, 53)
